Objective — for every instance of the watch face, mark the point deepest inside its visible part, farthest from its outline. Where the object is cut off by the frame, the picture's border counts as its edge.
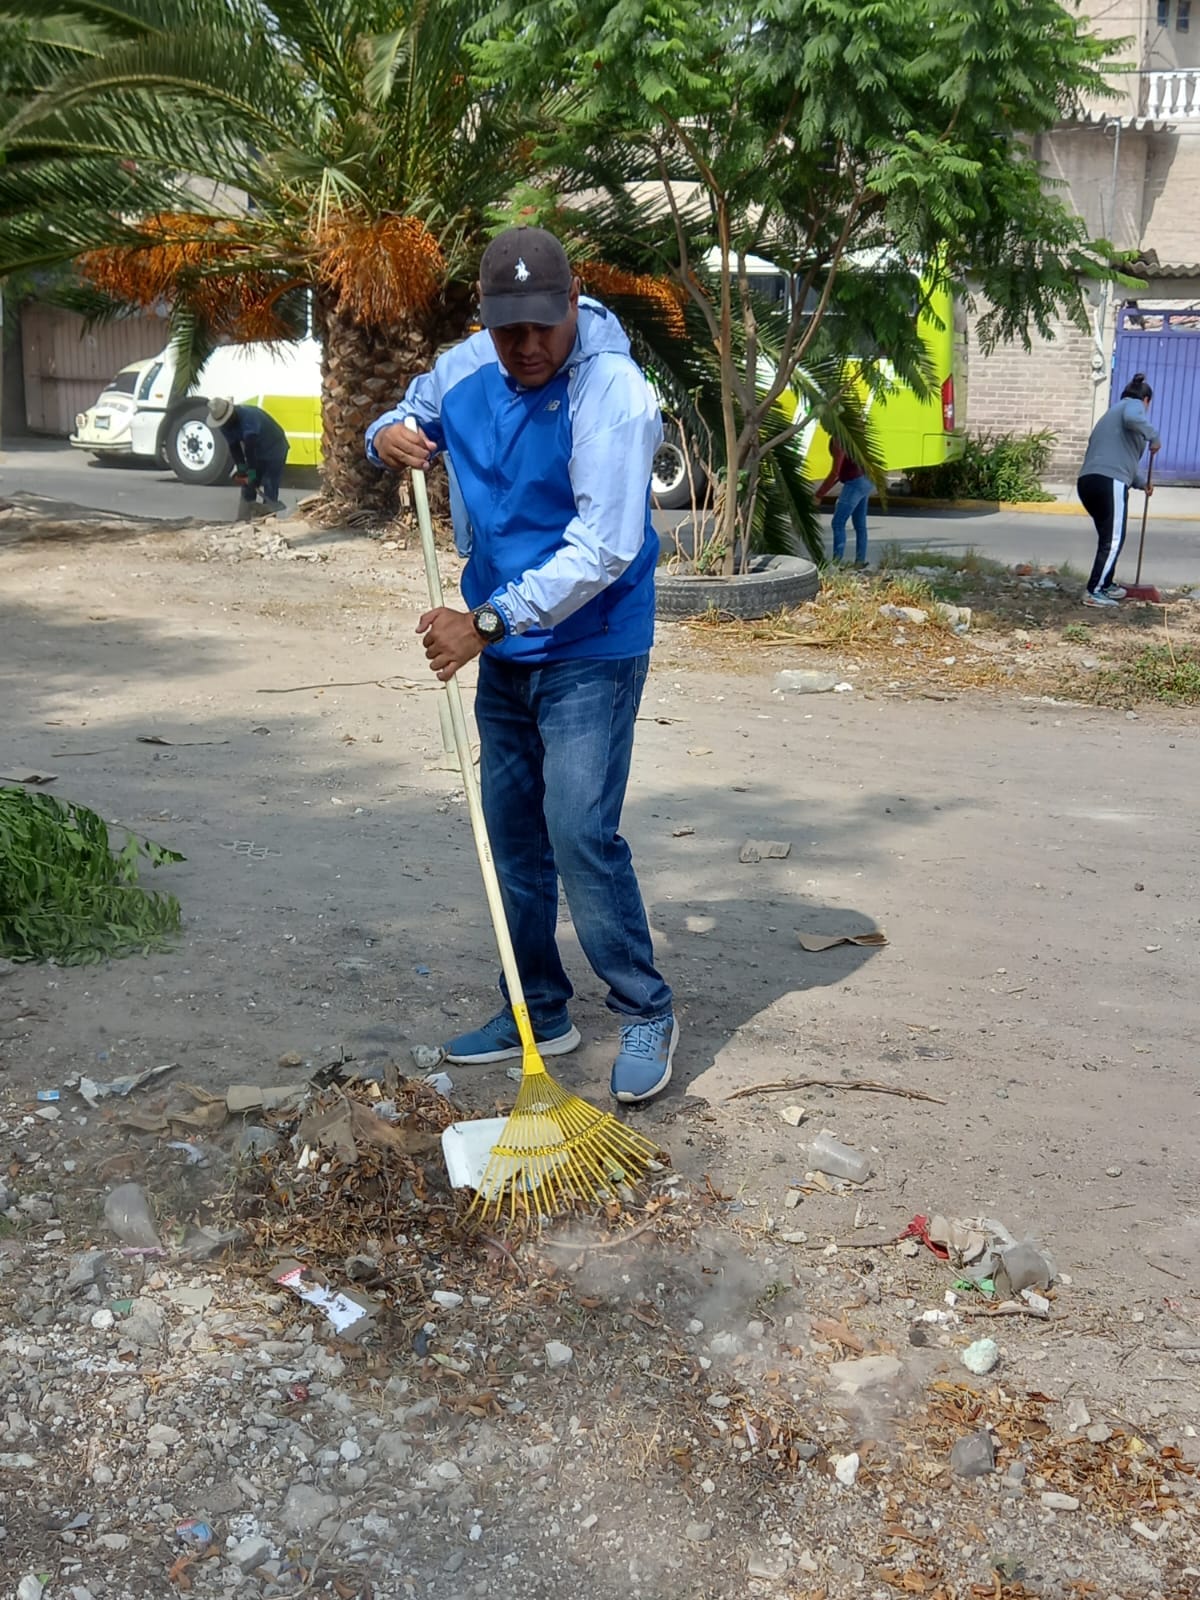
(488, 623)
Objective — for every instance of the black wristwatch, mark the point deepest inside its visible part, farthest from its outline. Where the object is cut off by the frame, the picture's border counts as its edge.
(489, 624)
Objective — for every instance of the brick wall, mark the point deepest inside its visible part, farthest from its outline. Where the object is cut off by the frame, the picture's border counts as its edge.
(1171, 222)
(1049, 386)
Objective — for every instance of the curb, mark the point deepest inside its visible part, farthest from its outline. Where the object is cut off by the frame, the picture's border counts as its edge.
(1040, 508)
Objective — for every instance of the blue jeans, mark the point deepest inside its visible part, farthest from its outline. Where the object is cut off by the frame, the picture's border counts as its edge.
(555, 747)
(270, 472)
(852, 502)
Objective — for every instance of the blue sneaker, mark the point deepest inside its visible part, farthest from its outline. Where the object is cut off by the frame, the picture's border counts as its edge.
(643, 1065)
(498, 1040)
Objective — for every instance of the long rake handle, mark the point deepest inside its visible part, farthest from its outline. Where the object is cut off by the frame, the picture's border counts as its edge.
(1145, 514)
(532, 1061)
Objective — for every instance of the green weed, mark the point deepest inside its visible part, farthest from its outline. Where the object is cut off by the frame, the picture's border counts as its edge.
(993, 466)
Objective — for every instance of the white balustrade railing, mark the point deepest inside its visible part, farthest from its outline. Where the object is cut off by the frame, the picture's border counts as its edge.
(1173, 96)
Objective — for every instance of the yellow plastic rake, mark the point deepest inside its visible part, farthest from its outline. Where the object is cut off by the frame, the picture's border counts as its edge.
(555, 1148)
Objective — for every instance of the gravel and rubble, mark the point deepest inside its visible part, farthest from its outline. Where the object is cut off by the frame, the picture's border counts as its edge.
(667, 1400)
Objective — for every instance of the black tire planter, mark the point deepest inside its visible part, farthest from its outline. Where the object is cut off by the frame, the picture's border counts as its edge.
(772, 583)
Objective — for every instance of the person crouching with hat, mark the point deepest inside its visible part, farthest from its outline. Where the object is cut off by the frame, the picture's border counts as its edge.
(550, 428)
(259, 448)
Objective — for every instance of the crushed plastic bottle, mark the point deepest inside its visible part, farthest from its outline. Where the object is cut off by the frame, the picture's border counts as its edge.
(829, 1155)
(127, 1212)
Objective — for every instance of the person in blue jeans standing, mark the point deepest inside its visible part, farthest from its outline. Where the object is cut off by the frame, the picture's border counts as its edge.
(550, 429)
(851, 503)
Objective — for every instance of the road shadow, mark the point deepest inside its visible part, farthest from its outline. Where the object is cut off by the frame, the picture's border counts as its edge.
(84, 656)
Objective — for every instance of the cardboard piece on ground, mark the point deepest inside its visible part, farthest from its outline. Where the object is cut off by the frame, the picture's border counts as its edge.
(207, 1114)
(764, 850)
(347, 1314)
(814, 943)
(344, 1127)
(243, 1097)
(330, 1129)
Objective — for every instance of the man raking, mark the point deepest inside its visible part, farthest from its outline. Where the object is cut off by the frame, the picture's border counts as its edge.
(551, 430)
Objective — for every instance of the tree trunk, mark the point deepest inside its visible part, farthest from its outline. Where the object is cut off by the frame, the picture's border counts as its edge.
(364, 372)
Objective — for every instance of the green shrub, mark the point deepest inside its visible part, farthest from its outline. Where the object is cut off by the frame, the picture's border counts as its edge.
(993, 466)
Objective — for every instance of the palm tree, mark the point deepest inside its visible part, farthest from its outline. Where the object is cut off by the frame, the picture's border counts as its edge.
(221, 154)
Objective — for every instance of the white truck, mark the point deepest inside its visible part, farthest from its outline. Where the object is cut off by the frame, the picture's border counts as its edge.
(144, 413)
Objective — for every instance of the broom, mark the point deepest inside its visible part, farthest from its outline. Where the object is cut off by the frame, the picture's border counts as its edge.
(555, 1148)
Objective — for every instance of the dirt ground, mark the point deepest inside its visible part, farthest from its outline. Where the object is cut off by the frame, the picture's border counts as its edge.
(1034, 865)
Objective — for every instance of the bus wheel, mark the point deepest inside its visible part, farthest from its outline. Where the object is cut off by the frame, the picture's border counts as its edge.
(195, 452)
(671, 484)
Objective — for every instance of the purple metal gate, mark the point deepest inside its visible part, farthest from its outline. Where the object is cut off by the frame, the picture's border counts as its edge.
(1165, 345)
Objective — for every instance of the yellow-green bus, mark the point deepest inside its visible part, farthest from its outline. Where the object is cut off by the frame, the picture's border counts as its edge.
(906, 430)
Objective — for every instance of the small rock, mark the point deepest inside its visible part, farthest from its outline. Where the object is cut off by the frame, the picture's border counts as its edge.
(793, 1198)
(763, 1564)
(349, 1450)
(427, 1056)
(255, 1141)
(793, 1115)
(1098, 1433)
(394, 1448)
(698, 1532)
(867, 1372)
(1078, 1415)
(291, 1058)
(911, 614)
(448, 1471)
(114, 1541)
(794, 1236)
(1090, 664)
(30, 1588)
(102, 1320)
(1112, 1172)
(558, 1354)
(725, 1344)
(974, 1456)
(144, 1324)
(1053, 1501)
(1016, 1474)
(86, 1270)
(306, 1508)
(806, 1450)
(249, 1554)
(845, 1468)
(159, 1433)
(805, 681)
(447, 1299)
(981, 1356)
(695, 1326)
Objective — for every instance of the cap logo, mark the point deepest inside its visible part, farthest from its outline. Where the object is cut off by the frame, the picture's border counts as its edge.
(522, 272)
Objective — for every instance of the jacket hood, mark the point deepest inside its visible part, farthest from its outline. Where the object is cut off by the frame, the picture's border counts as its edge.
(598, 330)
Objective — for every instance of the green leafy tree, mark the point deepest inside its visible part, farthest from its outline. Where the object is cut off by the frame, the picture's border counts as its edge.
(222, 154)
(841, 140)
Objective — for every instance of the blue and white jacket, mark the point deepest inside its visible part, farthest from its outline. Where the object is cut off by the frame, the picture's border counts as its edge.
(553, 490)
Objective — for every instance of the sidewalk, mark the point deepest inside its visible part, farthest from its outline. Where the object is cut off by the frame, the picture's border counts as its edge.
(1167, 504)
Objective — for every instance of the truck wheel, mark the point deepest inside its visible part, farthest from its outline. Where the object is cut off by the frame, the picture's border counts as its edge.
(195, 452)
(670, 483)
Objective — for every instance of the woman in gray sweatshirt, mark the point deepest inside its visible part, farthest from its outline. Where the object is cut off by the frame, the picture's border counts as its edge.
(1110, 467)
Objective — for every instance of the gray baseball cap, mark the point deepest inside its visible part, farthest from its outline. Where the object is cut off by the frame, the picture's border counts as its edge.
(524, 277)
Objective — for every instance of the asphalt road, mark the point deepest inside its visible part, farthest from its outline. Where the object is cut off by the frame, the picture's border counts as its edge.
(50, 468)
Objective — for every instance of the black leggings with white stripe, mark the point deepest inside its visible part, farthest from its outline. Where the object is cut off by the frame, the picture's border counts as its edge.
(1106, 501)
